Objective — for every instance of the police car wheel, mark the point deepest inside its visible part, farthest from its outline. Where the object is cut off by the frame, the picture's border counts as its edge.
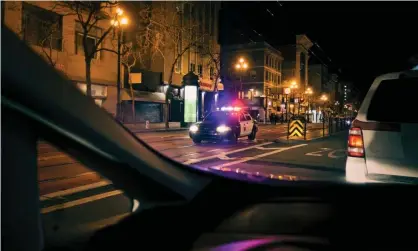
(252, 135)
(196, 140)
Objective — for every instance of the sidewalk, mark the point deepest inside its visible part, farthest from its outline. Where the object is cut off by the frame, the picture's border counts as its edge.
(175, 126)
(154, 127)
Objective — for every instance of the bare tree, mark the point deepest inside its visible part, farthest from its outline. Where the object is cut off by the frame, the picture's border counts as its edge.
(89, 14)
(169, 27)
(47, 40)
(213, 60)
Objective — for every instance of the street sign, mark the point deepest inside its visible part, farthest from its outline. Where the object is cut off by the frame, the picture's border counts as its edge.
(296, 128)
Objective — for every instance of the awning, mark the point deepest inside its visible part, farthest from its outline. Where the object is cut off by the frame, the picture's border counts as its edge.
(155, 97)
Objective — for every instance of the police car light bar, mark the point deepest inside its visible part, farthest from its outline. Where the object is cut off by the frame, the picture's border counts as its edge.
(230, 108)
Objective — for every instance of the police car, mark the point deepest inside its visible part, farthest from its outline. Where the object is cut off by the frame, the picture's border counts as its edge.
(227, 123)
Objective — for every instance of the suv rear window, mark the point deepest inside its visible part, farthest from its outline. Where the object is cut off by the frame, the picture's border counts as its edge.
(395, 101)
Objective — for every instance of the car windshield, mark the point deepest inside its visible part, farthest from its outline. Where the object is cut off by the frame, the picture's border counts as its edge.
(295, 78)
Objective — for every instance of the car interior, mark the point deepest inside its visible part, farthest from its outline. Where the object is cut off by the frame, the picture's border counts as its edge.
(181, 208)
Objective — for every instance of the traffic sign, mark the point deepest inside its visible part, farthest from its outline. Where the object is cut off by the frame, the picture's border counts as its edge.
(296, 128)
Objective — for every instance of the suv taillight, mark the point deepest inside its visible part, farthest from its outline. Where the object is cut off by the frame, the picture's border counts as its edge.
(355, 143)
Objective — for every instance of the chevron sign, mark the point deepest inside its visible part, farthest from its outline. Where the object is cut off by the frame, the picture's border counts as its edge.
(296, 128)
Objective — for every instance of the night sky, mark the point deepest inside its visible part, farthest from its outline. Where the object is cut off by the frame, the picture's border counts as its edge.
(362, 39)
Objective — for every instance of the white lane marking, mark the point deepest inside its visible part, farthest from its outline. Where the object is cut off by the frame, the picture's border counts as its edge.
(333, 156)
(192, 161)
(318, 153)
(182, 147)
(52, 157)
(173, 137)
(245, 159)
(214, 150)
(74, 190)
(226, 158)
(272, 148)
(80, 201)
(67, 177)
(105, 222)
(190, 154)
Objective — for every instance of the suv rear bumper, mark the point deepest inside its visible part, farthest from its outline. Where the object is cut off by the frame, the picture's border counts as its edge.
(356, 170)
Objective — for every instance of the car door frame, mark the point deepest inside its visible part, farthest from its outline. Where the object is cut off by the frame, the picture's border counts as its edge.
(250, 123)
(242, 125)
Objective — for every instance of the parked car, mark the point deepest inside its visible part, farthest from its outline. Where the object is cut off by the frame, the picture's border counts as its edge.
(382, 141)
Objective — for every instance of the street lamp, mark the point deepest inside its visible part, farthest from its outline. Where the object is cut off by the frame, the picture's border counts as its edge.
(324, 98)
(309, 93)
(119, 22)
(294, 86)
(241, 66)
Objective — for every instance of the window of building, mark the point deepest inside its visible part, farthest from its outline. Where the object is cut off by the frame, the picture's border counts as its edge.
(92, 38)
(200, 69)
(211, 72)
(192, 67)
(253, 74)
(267, 60)
(267, 75)
(41, 27)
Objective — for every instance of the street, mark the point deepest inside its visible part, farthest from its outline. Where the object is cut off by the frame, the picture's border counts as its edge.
(76, 200)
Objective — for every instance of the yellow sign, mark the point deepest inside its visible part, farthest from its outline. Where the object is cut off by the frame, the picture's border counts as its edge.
(296, 128)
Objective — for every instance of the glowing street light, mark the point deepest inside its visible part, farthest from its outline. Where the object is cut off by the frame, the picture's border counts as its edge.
(124, 21)
(119, 11)
(309, 91)
(324, 97)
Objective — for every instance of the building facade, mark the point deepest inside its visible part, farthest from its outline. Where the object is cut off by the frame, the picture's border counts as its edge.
(259, 83)
(296, 61)
(175, 38)
(63, 47)
(187, 41)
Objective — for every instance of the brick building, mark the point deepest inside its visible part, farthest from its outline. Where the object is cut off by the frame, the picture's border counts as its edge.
(197, 22)
(28, 19)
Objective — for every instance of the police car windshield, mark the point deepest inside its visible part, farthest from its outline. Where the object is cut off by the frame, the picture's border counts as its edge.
(221, 116)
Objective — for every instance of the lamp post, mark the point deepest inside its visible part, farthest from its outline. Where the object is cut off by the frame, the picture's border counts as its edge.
(118, 23)
(324, 98)
(309, 93)
(294, 86)
(241, 66)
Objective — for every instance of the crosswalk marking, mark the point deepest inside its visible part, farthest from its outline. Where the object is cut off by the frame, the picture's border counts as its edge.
(74, 190)
(80, 201)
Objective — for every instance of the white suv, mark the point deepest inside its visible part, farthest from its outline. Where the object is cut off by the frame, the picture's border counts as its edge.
(383, 139)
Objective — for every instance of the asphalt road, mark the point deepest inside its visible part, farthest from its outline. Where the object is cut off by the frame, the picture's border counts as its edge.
(76, 201)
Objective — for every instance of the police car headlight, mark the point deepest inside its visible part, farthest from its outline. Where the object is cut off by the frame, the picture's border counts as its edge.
(194, 128)
(223, 129)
